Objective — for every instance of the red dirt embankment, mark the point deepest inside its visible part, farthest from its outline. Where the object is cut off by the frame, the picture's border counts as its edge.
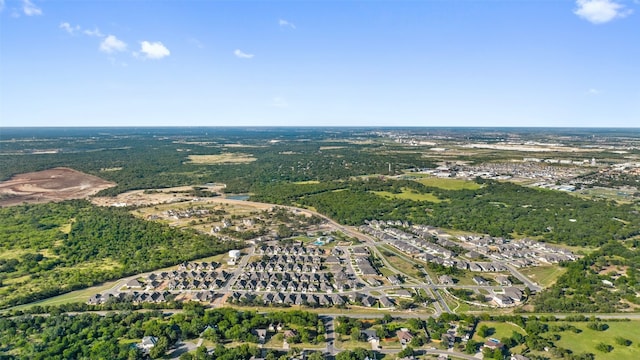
(55, 184)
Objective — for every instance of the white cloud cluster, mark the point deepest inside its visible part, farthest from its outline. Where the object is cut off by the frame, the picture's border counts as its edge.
(242, 55)
(112, 44)
(68, 28)
(285, 23)
(600, 11)
(154, 50)
(30, 9)
(95, 32)
(77, 29)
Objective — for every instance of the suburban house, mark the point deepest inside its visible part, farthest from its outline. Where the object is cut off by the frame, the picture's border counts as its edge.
(480, 280)
(502, 300)
(514, 293)
(404, 336)
(148, 342)
(370, 334)
(261, 334)
(394, 280)
(386, 302)
(493, 344)
(134, 284)
(503, 280)
(289, 333)
(368, 301)
(445, 280)
(372, 338)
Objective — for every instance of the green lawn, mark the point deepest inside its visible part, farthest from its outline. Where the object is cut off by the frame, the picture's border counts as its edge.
(498, 329)
(345, 343)
(586, 341)
(544, 275)
(399, 262)
(449, 184)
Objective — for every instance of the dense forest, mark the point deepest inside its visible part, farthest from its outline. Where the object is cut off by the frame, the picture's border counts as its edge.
(54, 248)
(495, 208)
(232, 333)
(587, 285)
(148, 160)
(92, 336)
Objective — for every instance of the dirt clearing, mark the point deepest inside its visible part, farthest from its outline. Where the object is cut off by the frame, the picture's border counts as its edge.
(226, 158)
(154, 196)
(55, 184)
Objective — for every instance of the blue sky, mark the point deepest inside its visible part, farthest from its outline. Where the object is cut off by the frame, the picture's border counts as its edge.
(354, 63)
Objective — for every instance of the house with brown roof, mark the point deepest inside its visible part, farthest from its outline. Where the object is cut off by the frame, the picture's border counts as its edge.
(404, 336)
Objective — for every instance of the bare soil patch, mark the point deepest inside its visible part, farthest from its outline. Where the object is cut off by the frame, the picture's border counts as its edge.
(226, 158)
(55, 184)
(153, 197)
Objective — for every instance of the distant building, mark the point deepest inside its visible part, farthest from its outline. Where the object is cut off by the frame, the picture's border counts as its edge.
(148, 342)
(234, 255)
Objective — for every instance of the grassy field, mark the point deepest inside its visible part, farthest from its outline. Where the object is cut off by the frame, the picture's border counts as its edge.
(273, 343)
(71, 297)
(587, 340)
(408, 195)
(449, 184)
(225, 158)
(400, 263)
(345, 343)
(497, 330)
(544, 275)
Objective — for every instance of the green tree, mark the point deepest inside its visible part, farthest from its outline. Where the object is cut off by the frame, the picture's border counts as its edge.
(603, 347)
(407, 351)
(483, 331)
(471, 347)
(622, 341)
(161, 347)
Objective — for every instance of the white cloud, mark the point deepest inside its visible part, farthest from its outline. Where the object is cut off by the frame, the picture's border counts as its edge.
(593, 91)
(1, 5)
(30, 9)
(68, 28)
(154, 50)
(95, 32)
(77, 29)
(600, 11)
(285, 23)
(242, 55)
(112, 44)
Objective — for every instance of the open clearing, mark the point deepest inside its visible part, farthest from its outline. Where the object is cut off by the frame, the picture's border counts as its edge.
(497, 330)
(449, 184)
(154, 196)
(78, 296)
(544, 275)
(587, 340)
(55, 184)
(224, 158)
